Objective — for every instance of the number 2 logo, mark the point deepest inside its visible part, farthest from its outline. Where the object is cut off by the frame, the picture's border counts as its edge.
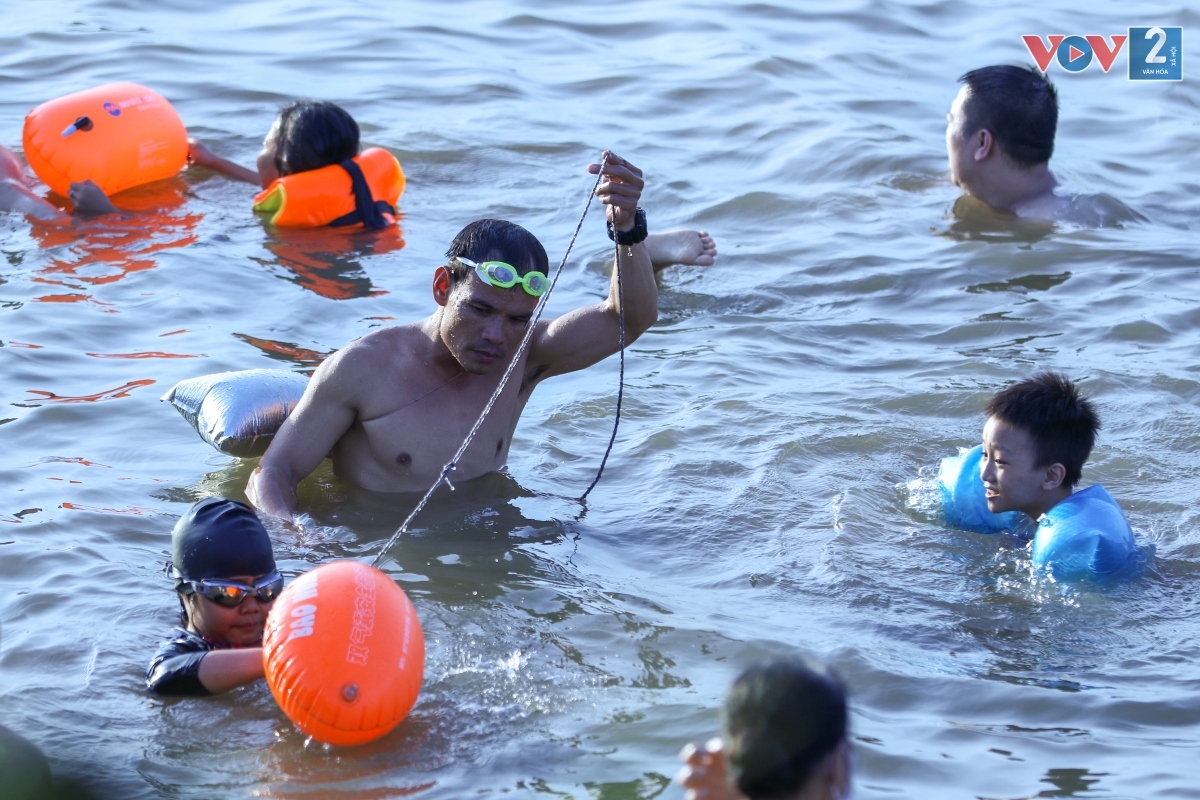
(1156, 53)
(1153, 57)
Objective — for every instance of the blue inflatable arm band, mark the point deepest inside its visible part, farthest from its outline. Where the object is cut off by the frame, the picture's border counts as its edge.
(964, 500)
(1085, 535)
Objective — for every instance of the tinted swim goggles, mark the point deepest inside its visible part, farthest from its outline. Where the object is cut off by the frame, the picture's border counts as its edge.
(231, 593)
(505, 276)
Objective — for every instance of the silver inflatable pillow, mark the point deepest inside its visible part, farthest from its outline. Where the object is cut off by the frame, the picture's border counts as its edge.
(238, 412)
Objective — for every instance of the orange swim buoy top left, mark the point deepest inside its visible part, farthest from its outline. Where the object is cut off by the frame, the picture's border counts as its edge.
(119, 135)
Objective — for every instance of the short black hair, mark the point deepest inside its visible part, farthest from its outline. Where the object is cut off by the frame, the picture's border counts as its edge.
(496, 240)
(310, 134)
(1061, 421)
(1018, 105)
(781, 719)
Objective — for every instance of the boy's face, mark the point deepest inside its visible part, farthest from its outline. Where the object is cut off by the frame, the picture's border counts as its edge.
(240, 626)
(1011, 477)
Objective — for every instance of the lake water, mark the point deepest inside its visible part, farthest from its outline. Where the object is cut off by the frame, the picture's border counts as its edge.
(766, 494)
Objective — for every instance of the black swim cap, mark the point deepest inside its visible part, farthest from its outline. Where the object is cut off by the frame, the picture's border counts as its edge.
(220, 538)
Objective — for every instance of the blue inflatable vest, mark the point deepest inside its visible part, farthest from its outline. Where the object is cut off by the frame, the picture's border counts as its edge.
(1084, 536)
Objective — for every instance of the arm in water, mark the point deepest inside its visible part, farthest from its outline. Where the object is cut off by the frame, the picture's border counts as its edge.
(324, 413)
(222, 670)
(85, 196)
(587, 335)
(201, 156)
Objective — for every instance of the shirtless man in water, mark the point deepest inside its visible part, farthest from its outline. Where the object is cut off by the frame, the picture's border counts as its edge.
(1000, 136)
(392, 407)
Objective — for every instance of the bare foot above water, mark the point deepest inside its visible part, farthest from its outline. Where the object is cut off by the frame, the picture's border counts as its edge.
(687, 247)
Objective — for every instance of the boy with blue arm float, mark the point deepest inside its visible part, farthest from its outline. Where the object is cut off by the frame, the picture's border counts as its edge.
(1037, 437)
(226, 580)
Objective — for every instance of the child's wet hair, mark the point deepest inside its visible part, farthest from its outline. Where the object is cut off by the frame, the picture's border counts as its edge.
(310, 134)
(782, 719)
(1061, 422)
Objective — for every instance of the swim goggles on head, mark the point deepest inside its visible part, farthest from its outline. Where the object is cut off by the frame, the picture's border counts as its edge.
(230, 593)
(505, 276)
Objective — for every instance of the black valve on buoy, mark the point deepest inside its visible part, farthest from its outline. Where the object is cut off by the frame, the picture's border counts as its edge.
(81, 124)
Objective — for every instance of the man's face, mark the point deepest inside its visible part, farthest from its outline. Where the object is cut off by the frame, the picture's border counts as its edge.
(962, 161)
(482, 325)
(1011, 477)
(240, 626)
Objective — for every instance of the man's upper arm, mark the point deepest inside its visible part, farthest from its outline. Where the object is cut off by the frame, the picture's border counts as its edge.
(324, 413)
(589, 334)
(576, 340)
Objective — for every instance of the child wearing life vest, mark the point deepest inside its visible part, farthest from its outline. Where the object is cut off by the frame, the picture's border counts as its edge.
(312, 173)
(784, 738)
(310, 135)
(1038, 434)
(15, 195)
(226, 581)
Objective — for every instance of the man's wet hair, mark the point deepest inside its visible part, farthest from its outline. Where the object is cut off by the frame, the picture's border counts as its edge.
(1018, 105)
(1061, 421)
(781, 719)
(496, 240)
(310, 134)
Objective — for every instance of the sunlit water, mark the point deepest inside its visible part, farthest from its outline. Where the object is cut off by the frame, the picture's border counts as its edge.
(758, 500)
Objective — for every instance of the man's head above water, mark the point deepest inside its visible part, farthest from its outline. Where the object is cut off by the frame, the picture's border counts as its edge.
(1038, 435)
(482, 324)
(1000, 135)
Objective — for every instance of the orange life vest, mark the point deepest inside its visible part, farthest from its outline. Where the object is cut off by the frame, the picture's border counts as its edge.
(363, 190)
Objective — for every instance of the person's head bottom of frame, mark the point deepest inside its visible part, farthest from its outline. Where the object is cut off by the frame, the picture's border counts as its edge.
(784, 729)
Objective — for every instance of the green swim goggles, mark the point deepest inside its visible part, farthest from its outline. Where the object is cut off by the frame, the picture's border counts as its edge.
(505, 276)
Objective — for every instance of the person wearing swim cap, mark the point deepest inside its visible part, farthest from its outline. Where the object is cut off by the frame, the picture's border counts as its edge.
(226, 580)
(785, 728)
(393, 407)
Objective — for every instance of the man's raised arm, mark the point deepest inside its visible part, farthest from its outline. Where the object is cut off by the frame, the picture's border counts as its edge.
(323, 414)
(586, 335)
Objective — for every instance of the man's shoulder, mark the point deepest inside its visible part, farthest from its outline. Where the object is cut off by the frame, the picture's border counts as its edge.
(377, 350)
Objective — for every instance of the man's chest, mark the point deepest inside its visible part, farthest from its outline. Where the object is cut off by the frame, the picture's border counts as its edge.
(418, 438)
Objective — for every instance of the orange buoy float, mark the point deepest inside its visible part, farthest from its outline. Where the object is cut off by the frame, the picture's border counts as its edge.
(119, 135)
(344, 653)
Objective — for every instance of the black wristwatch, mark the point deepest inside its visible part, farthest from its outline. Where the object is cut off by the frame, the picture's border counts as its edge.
(635, 236)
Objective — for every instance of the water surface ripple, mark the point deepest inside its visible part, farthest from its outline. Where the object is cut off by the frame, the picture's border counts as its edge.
(765, 494)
